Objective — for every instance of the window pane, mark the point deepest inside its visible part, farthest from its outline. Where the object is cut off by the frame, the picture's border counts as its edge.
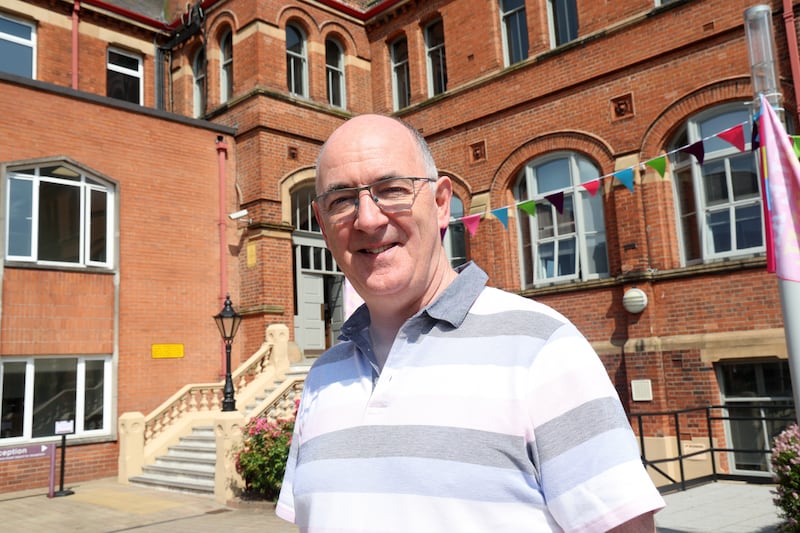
(719, 224)
(552, 176)
(20, 217)
(516, 30)
(97, 226)
(715, 182)
(566, 219)
(122, 87)
(59, 222)
(748, 227)
(565, 15)
(544, 219)
(54, 393)
(294, 40)
(93, 395)
(688, 214)
(593, 220)
(12, 408)
(124, 61)
(744, 178)
(567, 258)
(777, 380)
(16, 58)
(598, 256)
(709, 128)
(739, 380)
(546, 260)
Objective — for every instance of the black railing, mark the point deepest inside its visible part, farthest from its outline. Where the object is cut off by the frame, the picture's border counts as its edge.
(699, 422)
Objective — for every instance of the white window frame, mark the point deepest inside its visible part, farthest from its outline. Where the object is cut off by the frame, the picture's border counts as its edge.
(685, 166)
(558, 13)
(199, 78)
(581, 170)
(137, 74)
(83, 181)
(80, 405)
(297, 87)
(226, 66)
(456, 239)
(436, 60)
(400, 72)
(334, 74)
(31, 42)
(514, 19)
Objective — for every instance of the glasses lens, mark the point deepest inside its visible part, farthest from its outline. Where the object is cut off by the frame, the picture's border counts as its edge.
(339, 204)
(396, 194)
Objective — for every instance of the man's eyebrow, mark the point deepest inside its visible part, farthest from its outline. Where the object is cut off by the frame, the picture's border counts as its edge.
(340, 186)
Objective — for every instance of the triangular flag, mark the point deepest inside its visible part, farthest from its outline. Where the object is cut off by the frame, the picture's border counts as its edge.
(501, 214)
(625, 177)
(471, 222)
(557, 199)
(796, 144)
(696, 149)
(529, 207)
(659, 164)
(734, 136)
(592, 186)
(783, 171)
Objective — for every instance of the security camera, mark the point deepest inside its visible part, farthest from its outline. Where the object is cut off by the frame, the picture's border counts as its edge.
(238, 214)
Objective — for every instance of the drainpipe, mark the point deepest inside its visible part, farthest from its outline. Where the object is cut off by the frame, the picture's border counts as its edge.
(791, 42)
(222, 154)
(76, 7)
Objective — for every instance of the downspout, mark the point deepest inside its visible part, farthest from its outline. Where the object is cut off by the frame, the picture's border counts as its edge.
(76, 7)
(222, 154)
(791, 43)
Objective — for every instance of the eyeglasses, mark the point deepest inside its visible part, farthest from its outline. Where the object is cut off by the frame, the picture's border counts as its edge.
(391, 195)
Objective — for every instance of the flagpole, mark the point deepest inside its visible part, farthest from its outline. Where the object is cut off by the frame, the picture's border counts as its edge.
(760, 42)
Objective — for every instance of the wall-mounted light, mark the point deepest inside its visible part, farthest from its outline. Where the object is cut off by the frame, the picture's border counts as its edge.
(634, 300)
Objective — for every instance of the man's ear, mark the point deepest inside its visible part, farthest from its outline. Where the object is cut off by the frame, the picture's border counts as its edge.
(443, 194)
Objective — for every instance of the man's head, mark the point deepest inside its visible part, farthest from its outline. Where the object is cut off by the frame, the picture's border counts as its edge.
(393, 257)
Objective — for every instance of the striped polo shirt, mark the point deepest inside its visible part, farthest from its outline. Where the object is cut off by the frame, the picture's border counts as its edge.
(492, 413)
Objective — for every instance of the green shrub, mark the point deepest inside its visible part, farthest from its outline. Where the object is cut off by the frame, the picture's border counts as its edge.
(262, 460)
(786, 468)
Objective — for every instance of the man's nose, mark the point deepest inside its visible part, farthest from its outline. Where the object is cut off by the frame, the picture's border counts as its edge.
(368, 213)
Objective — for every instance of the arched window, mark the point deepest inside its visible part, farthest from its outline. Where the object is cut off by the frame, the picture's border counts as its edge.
(562, 242)
(199, 73)
(719, 202)
(226, 66)
(296, 61)
(455, 242)
(401, 77)
(437, 61)
(334, 73)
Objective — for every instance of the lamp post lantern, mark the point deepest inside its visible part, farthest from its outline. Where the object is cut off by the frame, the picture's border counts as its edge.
(228, 322)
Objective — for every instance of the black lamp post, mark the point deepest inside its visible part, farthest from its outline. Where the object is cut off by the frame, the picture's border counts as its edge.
(228, 322)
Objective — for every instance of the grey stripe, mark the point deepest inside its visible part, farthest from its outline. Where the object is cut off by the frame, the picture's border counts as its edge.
(429, 442)
(508, 323)
(582, 423)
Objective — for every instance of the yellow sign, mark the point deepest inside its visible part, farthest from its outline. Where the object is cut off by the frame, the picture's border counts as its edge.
(166, 351)
(251, 255)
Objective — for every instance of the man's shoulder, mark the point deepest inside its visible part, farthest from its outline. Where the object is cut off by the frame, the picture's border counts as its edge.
(494, 300)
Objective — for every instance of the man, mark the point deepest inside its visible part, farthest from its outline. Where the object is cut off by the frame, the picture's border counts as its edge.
(449, 406)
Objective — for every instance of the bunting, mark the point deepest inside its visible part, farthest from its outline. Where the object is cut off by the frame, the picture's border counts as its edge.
(733, 136)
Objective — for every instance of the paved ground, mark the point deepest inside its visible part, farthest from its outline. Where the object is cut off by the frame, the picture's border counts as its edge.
(105, 506)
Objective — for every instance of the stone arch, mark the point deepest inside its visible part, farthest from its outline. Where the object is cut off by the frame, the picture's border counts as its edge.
(291, 182)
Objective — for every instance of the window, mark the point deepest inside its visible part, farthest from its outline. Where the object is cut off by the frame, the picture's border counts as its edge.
(199, 73)
(515, 30)
(566, 245)
(437, 63)
(17, 47)
(563, 21)
(401, 77)
(59, 215)
(124, 75)
(36, 392)
(758, 402)
(302, 211)
(719, 202)
(226, 67)
(455, 242)
(334, 73)
(296, 61)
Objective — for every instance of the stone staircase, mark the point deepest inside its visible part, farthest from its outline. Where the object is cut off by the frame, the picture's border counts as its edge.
(186, 467)
(189, 466)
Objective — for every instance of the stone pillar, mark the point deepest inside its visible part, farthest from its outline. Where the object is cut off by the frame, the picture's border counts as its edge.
(278, 336)
(228, 430)
(131, 446)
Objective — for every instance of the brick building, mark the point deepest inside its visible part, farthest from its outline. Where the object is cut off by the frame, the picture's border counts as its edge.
(119, 247)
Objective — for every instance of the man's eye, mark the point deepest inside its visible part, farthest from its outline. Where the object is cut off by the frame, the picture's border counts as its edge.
(339, 201)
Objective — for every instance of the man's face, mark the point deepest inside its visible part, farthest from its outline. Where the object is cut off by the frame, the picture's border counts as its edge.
(382, 254)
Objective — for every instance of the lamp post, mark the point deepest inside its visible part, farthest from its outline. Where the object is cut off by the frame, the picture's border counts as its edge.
(228, 322)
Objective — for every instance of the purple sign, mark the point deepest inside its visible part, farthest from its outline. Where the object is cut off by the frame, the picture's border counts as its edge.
(24, 452)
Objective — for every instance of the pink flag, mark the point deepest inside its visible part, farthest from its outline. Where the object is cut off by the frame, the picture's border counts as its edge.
(471, 223)
(783, 183)
(734, 136)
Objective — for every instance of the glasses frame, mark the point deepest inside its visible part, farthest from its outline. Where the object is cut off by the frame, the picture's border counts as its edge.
(357, 190)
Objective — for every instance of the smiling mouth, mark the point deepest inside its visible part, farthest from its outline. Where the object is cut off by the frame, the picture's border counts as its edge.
(377, 250)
